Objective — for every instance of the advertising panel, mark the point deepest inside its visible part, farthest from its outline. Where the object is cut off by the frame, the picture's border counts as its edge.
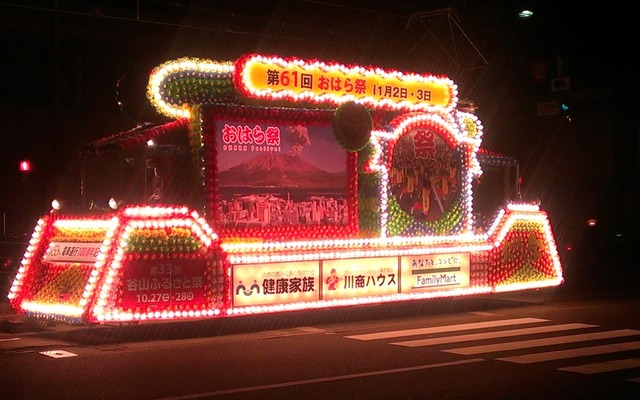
(435, 272)
(275, 283)
(68, 252)
(347, 278)
(161, 284)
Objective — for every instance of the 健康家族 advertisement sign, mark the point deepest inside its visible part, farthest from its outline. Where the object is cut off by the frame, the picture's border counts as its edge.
(276, 283)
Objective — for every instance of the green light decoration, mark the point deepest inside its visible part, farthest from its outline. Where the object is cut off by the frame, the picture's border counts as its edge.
(198, 90)
(368, 216)
(195, 142)
(399, 220)
(352, 125)
(159, 241)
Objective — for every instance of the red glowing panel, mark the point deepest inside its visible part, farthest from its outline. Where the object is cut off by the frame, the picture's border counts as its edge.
(160, 284)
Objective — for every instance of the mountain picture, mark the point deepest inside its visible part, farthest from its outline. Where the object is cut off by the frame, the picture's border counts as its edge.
(281, 171)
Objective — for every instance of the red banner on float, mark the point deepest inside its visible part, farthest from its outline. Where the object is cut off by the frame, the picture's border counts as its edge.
(162, 284)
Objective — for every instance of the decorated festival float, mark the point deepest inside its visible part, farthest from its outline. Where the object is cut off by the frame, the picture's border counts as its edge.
(284, 184)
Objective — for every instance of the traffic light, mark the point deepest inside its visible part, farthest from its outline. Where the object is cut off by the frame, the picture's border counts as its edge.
(565, 109)
(564, 106)
(24, 166)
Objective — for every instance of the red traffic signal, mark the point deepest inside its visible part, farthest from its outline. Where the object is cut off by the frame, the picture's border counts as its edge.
(24, 166)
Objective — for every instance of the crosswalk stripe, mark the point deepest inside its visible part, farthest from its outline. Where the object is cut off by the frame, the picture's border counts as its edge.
(607, 366)
(491, 335)
(587, 369)
(446, 328)
(581, 352)
(526, 344)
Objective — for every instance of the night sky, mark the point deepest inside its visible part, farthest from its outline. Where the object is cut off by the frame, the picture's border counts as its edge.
(67, 64)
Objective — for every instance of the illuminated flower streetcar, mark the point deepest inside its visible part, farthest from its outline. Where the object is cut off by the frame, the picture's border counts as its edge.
(284, 184)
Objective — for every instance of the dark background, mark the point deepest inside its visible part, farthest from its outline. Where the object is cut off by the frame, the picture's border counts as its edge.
(75, 71)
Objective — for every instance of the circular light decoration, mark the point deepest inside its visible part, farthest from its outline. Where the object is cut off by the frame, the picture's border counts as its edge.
(352, 125)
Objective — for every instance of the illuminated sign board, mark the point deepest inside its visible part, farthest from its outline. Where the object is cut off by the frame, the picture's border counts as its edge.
(348, 278)
(160, 284)
(285, 177)
(290, 282)
(434, 272)
(67, 252)
(294, 79)
(275, 283)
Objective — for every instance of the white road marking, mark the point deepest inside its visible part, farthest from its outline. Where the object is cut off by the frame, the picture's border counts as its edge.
(58, 353)
(321, 380)
(491, 335)
(526, 344)
(607, 366)
(581, 352)
(446, 328)
(594, 368)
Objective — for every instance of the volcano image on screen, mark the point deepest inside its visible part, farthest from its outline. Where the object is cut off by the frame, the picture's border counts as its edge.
(277, 170)
(296, 177)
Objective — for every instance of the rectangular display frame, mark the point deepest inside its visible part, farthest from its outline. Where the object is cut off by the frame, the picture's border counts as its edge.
(328, 218)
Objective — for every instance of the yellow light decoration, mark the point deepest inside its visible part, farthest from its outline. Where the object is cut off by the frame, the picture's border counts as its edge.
(299, 80)
(176, 67)
(54, 309)
(88, 224)
(532, 207)
(529, 285)
(372, 243)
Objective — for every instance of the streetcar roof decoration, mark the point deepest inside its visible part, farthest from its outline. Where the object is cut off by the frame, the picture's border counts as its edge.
(176, 85)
